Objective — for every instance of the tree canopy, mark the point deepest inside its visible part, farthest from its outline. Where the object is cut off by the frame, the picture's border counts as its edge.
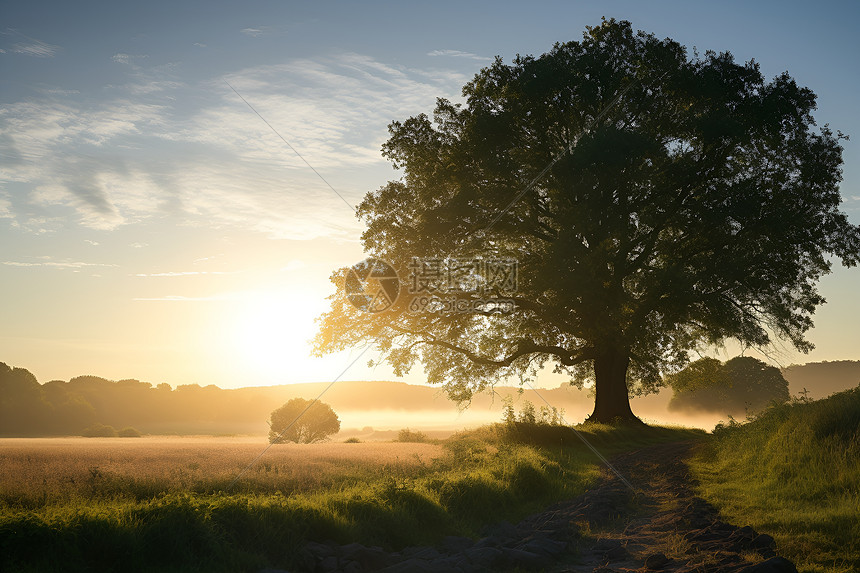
(303, 421)
(655, 202)
(742, 384)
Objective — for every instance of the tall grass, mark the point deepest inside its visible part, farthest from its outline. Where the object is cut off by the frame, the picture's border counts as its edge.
(479, 477)
(793, 472)
(39, 472)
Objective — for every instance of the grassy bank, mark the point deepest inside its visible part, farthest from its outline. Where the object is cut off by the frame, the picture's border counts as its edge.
(122, 522)
(793, 473)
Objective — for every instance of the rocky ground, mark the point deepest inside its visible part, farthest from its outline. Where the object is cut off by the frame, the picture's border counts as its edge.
(661, 526)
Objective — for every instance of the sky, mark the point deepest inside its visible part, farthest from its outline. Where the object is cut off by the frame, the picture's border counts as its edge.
(153, 226)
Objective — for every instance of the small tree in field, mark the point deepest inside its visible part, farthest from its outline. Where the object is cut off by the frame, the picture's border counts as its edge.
(302, 421)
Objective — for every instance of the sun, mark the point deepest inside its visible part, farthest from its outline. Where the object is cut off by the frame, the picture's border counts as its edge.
(272, 337)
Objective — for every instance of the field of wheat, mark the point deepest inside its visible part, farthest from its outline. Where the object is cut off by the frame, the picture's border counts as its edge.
(187, 504)
(41, 471)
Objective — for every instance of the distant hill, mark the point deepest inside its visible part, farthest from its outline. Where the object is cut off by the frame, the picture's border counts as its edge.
(387, 395)
(28, 408)
(822, 379)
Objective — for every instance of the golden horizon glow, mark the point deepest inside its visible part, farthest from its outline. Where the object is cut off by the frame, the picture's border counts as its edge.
(152, 226)
(272, 334)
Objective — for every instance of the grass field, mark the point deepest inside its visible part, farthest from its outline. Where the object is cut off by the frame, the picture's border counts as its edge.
(36, 472)
(793, 473)
(138, 505)
(171, 504)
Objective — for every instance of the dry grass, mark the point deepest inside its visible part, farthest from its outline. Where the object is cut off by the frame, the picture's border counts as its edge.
(36, 472)
(154, 504)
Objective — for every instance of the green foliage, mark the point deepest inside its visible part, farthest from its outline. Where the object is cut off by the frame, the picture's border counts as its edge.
(703, 373)
(303, 421)
(550, 415)
(544, 435)
(99, 431)
(23, 408)
(527, 413)
(66, 408)
(701, 206)
(407, 435)
(484, 477)
(742, 384)
(793, 472)
(28, 408)
(508, 414)
(546, 416)
(129, 432)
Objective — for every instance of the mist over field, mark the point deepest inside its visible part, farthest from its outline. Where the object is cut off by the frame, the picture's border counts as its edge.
(369, 409)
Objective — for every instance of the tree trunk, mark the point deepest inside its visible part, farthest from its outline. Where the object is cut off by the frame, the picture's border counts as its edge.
(612, 402)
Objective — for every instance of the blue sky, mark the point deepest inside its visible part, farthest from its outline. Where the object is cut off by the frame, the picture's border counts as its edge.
(152, 226)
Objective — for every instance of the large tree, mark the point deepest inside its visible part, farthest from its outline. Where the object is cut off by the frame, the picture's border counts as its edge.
(655, 202)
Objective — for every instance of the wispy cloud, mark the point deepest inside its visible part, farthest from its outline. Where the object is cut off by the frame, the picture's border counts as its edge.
(61, 92)
(200, 44)
(177, 298)
(458, 54)
(36, 49)
(54, 264)
(65, 159)
(329, 108)
(128, 59)
(186, 273)
(253, 32)
(145, 80)
(28, 46)
(137, 156)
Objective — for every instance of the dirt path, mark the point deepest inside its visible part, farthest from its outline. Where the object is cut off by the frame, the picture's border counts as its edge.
(661, 526)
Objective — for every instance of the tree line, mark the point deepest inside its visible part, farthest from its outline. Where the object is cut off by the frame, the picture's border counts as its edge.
(28, 408)
(62, 408)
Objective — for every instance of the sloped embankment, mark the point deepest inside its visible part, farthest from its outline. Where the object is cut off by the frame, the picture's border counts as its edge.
(795, 473)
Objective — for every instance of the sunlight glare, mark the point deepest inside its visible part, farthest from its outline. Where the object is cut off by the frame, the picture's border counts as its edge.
(272, 335)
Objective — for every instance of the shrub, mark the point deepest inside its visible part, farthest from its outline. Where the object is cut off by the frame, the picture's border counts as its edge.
(527, 413)
(99, 431)
(129, 432)
(407, 435)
